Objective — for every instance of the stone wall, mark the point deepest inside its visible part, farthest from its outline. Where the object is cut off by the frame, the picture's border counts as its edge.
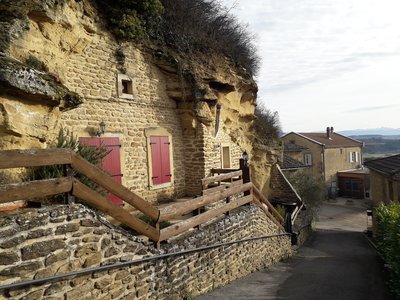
(73, 45)
(60, 239)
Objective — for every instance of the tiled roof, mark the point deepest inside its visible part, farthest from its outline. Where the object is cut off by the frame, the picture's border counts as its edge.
(291, 163)
(293, 147)
(387, 165)
(335, 140)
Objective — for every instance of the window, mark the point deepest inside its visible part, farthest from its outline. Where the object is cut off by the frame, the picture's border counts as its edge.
(353, 157)
(308, 159)
(226, 157)
(125, 87)
(160, 166)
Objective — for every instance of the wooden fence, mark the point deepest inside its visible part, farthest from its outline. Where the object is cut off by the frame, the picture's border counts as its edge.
(223, 187)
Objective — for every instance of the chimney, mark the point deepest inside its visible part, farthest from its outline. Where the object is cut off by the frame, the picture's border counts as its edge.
(328, 132)
(331, 129)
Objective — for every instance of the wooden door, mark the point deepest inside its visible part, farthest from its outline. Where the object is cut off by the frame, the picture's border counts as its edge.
(112, 162)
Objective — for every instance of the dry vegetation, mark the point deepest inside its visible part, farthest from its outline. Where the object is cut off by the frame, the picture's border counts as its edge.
(186, 26)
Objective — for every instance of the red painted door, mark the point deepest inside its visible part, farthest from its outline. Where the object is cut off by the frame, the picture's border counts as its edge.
(111, 163)
(160, 159)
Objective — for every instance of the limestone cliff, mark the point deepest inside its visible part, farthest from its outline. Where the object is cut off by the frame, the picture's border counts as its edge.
(61, 32)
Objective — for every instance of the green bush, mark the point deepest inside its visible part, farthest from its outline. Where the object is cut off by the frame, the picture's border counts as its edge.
(388, 240)
(311, 189)
(67, 139)
(130, 19)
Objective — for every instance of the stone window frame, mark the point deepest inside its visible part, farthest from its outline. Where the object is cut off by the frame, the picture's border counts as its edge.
(121, 78)
(222, 146)
(158, 131)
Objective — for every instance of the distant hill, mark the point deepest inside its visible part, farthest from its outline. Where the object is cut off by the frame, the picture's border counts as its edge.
(380, 144)
(371, 132)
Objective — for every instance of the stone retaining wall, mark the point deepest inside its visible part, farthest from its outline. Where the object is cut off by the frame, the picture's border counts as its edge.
(38, 243)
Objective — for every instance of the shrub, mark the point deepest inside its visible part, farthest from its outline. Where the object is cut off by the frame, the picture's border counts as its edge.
(186, 26)
(311, 189)
(208, 26)
(266, 125)
(388, 240)
(281, 210)
(67, 139)
(130, 19)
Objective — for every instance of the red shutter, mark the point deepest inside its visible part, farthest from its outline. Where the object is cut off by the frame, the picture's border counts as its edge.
(111, 163)
(156, 175)
(165, 161)
(160, 159)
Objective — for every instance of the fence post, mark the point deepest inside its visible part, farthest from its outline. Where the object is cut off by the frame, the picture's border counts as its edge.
(69, 172)
(246, 173)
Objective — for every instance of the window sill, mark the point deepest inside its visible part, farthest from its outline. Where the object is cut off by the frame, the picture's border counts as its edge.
(126, 96)
(160, 186)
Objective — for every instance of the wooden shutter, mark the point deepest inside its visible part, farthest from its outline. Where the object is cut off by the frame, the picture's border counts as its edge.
(160, 160)
(155, 160)
(112, 162)
(165, 160)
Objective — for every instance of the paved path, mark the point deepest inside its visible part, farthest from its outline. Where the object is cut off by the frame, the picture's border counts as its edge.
(336, 263)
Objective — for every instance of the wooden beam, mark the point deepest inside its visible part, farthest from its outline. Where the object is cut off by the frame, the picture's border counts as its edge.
(34, 158)
(206, 181)
(223, 171)
(173, 211)
(107, 182)
(183, 226)
(266, 211)
(95, 199)
(270, 206)
(214, 189)
(34, 189)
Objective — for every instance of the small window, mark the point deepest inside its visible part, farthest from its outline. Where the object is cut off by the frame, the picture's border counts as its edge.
(308, 159)
(226, 157)
(125, 87)
(353, 157)
(341, 151)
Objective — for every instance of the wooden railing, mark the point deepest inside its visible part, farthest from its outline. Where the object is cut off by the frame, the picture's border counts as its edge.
(233, 189)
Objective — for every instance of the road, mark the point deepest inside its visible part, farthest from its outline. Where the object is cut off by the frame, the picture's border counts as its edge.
(336, 263)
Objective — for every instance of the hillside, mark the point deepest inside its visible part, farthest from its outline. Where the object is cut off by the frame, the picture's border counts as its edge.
(380, 144)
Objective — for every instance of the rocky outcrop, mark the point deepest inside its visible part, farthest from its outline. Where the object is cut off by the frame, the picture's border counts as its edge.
(18, 80)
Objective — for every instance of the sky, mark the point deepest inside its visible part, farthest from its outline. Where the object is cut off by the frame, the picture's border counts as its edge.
(327, 62)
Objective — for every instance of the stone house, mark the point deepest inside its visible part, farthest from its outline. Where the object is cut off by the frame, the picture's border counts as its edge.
(165, 131)
(327, 153)
(295, 157)
(385, 179)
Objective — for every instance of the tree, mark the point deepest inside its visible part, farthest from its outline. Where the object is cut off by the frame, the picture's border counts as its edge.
(311, 189)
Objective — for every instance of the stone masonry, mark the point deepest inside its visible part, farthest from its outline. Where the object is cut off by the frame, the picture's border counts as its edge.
(38, 243)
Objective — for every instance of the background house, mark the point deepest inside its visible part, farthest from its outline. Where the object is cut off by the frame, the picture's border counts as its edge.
(327, 153)
(385, 179)
(295, 157)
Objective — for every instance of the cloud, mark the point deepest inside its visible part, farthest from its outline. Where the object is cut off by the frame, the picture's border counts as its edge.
(371, 108)
(341, 54)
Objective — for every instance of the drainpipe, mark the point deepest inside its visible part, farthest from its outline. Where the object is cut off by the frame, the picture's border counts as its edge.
(323, 162)
(217, 119)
